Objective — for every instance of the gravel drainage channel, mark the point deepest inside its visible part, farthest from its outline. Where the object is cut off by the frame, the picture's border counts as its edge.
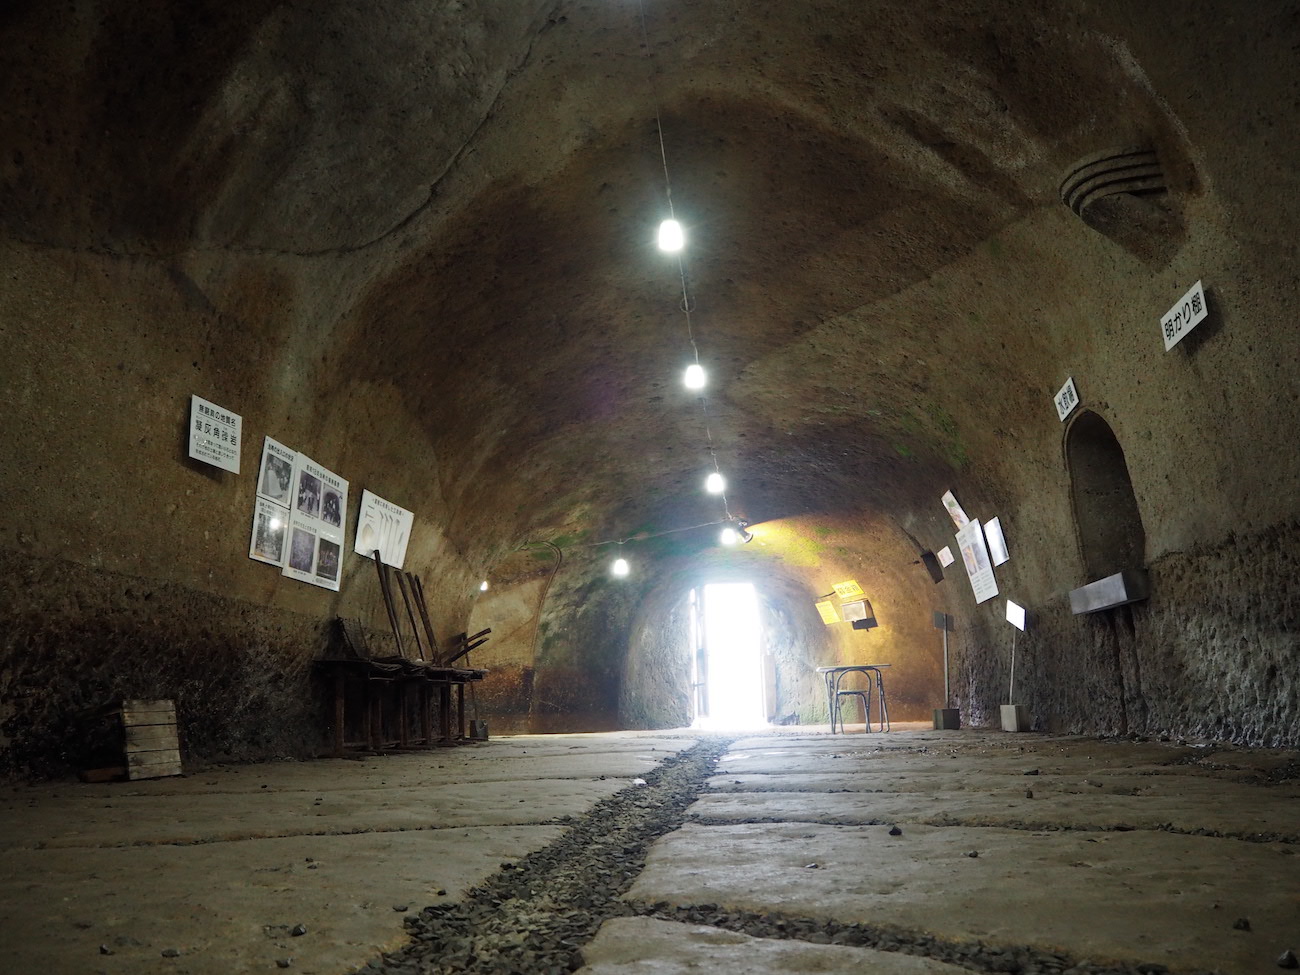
(534, 916)
(973, 955)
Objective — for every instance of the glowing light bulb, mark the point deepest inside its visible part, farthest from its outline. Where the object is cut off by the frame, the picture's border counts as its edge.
(671, 237)
(715, 483)
(620, 567)
(695, 376)
(483, 586)
(729, 536)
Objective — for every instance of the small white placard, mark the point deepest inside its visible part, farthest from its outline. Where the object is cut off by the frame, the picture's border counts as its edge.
(954, 509)
(946, 557)
(384, 526)
(1189, 312)
(215, 434)
(1067, 398)
(1016, 615)
(997, 541)
(970, 540)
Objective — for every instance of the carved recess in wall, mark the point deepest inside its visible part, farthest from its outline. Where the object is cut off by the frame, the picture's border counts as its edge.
(1123, 193)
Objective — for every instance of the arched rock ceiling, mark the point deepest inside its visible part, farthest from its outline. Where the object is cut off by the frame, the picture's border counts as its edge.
(468, 195)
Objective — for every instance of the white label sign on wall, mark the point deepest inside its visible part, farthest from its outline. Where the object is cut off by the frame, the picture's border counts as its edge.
(215, 434)
(1189, 312)
(320, 506)
(978, 566)
(384, 526)
(1067, 398)
(946, 557)
(997, 541)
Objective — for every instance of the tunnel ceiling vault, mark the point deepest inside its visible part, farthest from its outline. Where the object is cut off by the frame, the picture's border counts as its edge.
(468, 200)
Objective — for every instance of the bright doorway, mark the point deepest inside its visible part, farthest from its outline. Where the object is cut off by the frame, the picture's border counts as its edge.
(728, 667)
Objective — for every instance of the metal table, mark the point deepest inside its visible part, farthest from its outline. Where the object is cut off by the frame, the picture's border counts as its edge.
(874, 675)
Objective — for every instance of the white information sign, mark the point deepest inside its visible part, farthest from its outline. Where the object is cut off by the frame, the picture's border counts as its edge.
(997, 541)
(320, 509)
(1189, 312)
(384, 526)
(1016, 615)
(215, 434)
(1067, 398)
(970, 540)
(954, 509)
(946, 557)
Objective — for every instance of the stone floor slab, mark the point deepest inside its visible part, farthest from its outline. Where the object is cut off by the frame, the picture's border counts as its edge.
(229, 907)
(644, 946)
(1227, 808)
(1136, 896)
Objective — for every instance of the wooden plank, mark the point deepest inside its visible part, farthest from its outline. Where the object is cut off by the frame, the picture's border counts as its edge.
(132, 718)
(155, 756)
(156, 771)
(141, 705)
(151, 736)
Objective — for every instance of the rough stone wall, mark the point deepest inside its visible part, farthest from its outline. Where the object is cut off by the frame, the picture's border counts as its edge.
(78, 640)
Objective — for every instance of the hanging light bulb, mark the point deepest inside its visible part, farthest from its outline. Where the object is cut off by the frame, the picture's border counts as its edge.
(695, 376)
(715, 483)
(483, 586)
(620, 567)
(729, 536)
(671, 237)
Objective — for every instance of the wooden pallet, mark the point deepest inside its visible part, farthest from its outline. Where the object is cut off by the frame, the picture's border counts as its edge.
(152, 747)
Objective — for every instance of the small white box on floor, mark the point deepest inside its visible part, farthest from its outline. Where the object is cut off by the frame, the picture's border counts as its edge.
(1015, 717)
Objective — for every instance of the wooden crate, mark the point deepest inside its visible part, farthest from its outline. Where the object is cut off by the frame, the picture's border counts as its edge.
(152, 747)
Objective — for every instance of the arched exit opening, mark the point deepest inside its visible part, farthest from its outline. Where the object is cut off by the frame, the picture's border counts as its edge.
(727, 668)
(1111, 536)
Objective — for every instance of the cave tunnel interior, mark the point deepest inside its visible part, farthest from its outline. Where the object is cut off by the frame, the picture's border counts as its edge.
(1038, 260)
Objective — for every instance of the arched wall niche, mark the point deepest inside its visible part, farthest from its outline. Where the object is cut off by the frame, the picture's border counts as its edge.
(1107, 519)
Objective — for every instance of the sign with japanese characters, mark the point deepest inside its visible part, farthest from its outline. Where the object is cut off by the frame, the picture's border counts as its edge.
(1067, 398)
(215, 434)
(826, 609)
(315, 541)
(848, 589)
(976, 556)
(1189, 312)
(384, 526)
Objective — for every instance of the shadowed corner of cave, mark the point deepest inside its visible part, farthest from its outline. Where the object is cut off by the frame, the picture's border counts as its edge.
(993, 308)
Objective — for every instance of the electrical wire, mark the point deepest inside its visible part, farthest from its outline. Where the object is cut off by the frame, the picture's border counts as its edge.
(681, 263)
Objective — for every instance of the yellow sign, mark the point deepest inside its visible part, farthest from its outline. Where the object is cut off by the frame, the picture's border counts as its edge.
(827, 609)
(848, 590)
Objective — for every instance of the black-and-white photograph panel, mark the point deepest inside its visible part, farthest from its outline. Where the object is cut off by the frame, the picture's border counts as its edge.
(308, 494)
(327, 563)
(275, 476)
(303, 550)
(270, 525)
(331, 510)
